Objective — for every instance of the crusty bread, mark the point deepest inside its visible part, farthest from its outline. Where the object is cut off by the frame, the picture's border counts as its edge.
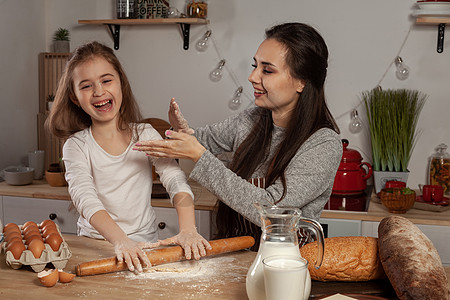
(350, 258)
(411, 261)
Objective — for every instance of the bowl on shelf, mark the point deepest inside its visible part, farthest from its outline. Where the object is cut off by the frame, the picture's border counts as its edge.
(18, 175)
(398, 200)
(55, 178)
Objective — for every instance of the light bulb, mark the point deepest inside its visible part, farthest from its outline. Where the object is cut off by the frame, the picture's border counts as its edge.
(402, 71)
(235, 103)
(355, 123)
(217, 73)
(202, 43)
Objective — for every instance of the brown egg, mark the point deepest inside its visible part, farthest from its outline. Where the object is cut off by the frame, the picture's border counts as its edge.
(65, 277)
(14, 238)
(48, 278)
(46, 223)
(30, 231)
(29, 226)
(10, 234)
(10, 226)
(36, 247)
(29, 223)
(16, 248)
(49, 226)
(35, 236)
(54, 240)
(49, 230)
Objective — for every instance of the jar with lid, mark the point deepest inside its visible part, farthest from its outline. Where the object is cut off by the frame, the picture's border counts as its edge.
(440, 168)
(197, 9)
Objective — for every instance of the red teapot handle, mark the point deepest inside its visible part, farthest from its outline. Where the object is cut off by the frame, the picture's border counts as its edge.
(369, 170)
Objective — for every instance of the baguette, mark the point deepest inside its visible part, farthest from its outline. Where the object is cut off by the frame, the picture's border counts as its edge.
(411, 261)
(350, 258)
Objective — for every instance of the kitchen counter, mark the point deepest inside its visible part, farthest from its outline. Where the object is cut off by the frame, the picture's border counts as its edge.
(216, 277)
(204, 200)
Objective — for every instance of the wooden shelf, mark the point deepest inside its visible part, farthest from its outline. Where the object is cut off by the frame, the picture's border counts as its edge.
(439, 20)
(432, 20)
(114, 26)
(146, 21)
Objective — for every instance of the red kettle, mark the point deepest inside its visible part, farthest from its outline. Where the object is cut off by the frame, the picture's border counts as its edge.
(351, 175)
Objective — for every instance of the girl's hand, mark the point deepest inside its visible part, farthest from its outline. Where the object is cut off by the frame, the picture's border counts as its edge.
(191, 241)
(179, 145)
(176, 119)
(133, 254)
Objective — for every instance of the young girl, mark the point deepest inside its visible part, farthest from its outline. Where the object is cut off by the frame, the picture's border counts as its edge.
(286, 149)
(111, 185)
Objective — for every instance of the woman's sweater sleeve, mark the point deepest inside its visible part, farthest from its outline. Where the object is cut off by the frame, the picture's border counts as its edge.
(309, 177)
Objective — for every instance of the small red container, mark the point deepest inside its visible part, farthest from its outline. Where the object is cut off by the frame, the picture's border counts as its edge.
(395, 184)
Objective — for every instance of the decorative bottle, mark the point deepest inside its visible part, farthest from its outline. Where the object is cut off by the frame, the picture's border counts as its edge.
(440, 168)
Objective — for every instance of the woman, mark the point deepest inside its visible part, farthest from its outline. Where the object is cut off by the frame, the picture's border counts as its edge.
(288, 145)
(109, 184)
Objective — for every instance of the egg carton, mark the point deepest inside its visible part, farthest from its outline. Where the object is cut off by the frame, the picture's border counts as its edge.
(58, 258)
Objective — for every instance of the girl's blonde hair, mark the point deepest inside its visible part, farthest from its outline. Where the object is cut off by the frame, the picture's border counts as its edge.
(66, 117)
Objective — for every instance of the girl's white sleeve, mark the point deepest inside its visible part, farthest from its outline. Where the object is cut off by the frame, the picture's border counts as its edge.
(172, 177)
(78, 176)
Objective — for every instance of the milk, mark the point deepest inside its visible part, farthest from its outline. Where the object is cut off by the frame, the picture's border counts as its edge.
(284, 277)
(255, 276)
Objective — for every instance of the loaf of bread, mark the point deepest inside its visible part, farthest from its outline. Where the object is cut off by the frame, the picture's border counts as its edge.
(411, 261)
(350, 258)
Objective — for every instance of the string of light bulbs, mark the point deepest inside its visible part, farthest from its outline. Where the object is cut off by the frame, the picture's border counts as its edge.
(217, 74)
(401, 72)
(356, 125)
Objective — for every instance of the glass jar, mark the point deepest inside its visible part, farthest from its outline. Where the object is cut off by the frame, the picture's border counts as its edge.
(125, 9)
(197, 9)
(440, 168)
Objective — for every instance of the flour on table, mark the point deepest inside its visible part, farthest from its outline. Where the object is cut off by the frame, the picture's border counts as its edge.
(188, 270)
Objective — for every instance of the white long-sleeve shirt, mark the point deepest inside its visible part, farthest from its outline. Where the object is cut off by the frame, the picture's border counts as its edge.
(121, 185)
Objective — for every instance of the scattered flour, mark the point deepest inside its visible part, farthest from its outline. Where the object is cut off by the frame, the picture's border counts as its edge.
(190, 270)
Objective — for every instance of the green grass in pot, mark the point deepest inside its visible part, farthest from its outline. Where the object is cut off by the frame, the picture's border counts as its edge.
(392, 117)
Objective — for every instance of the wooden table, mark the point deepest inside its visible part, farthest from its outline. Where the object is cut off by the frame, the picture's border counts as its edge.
(221, 277)
(227, 283)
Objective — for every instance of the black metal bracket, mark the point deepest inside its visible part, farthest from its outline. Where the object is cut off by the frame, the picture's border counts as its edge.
(115, 34)
(440, 39)
(185, 28)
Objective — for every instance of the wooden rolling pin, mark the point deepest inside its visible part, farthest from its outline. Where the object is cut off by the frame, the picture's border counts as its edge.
(163, 256)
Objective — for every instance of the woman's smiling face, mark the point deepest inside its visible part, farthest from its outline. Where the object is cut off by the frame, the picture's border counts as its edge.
(97, 88)
(274, 87)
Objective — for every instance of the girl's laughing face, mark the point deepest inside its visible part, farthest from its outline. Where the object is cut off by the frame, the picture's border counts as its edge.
(98, 91)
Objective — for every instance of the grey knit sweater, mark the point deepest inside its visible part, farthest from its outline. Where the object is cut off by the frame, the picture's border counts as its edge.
(309, 175)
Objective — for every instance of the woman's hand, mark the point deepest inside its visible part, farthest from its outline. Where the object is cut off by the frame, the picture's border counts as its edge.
(191, 241)
(133, 254)
(179, 145)
(176, 119)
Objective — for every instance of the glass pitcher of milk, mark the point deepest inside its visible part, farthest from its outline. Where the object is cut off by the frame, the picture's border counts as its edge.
(279, 237)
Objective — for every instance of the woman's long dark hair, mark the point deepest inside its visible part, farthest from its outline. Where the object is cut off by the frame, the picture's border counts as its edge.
(307, 57)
